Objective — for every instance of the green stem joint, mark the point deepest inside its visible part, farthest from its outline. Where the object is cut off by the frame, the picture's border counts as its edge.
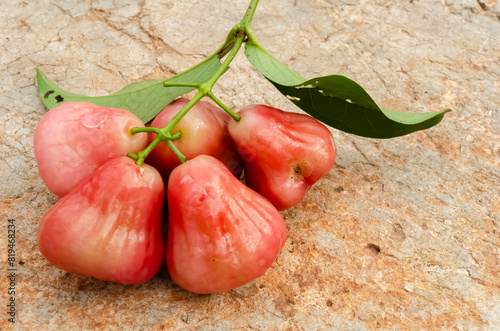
(240, 33)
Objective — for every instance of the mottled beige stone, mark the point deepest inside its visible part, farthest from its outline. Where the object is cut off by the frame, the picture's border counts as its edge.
(402, 234)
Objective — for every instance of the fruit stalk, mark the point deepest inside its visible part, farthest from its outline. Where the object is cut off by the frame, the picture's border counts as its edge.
(234, 41)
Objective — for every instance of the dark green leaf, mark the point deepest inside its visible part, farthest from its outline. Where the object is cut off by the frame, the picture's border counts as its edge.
(145, 99)
(339, 101)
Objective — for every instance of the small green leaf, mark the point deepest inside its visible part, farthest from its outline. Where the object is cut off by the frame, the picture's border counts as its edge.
(145, 99)
(338, 101)
(270, 67)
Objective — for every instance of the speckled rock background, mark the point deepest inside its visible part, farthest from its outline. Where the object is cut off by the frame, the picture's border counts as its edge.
(402, 234)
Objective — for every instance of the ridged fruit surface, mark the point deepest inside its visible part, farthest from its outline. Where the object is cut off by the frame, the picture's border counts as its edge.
(109, 226)
(221, 234)
(284, 153)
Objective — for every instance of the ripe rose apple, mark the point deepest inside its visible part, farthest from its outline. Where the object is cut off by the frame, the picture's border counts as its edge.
(221, 234)
(108, 226)
(284, 153)
(204, 131)
(75, 138)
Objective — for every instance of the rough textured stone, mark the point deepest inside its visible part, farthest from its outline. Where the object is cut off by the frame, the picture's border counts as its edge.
(401, 234)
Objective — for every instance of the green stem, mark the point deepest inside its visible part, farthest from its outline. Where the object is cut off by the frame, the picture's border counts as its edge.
(170, 84)
(247, 19)
(176, 151)
(176, 136)
(206, 87)
(164, 135)
(143, 129)
(251, 36)
(170, 126)
(141, 156)
(233, 43)
(246, 22)
(235, 116)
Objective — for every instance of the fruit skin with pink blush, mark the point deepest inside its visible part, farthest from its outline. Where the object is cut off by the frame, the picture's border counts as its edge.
(221, 234)
(284, 153)
(109, 226)
(204, 131)
(75, 138)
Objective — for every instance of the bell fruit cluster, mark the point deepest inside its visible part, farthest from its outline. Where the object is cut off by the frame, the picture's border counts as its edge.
(221, 234)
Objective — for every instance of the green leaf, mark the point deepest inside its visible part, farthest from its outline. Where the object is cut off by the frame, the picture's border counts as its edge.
(270, 67)
(338, 101)
(145, 99)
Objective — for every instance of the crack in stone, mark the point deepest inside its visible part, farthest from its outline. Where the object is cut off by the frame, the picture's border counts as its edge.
(157, 44)
(64, 11)
(486, 8)
(482, 5)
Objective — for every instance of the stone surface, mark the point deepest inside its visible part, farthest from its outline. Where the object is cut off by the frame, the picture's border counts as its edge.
(403, 234)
